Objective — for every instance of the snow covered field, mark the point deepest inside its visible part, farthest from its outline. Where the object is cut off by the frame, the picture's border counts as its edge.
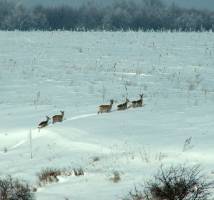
(42, 73)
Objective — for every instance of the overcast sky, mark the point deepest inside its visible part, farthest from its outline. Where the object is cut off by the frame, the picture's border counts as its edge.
(203, 4)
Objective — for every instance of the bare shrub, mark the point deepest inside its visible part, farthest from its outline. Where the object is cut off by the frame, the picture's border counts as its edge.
(174, 183)
(160, 156)
(49, 175)
(116, 177)
(78, 172)
(145, 155)
(178, 183)
(187, 144)
(134, 195)
(14, 189)
(96, 159)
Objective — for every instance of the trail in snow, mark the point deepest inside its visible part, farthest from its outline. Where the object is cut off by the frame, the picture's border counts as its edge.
(35, 134)
(81, 116)
(18, 144)
(131, 73)
(33, 131)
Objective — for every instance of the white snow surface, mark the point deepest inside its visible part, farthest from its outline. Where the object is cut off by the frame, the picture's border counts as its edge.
(42, 73)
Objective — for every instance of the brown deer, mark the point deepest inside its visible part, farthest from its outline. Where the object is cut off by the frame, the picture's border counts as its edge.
(106, 108)
(138, 103)
(123, 106)
(43, 123)
(58, 118)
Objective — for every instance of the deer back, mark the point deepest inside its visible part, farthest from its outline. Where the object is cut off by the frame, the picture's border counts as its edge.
(138, 103)
(58, 118)
(105, 108)
(123, 106)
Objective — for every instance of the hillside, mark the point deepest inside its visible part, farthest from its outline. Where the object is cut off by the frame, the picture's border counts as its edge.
(45, 72)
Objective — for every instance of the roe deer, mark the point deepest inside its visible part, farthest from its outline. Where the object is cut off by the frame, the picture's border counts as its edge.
(138, 103)
(43, 123)
(106, 108)
(58, 118)
(123, 106)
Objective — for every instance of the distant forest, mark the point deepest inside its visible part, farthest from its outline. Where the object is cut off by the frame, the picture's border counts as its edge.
(122, 15)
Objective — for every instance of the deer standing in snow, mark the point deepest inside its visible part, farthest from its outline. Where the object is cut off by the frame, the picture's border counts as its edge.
(123, 106)
(43, 123)
(106, 108)
(138, 103)
(58, 118)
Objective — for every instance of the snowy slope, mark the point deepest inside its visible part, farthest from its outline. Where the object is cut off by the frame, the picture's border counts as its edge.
(42, 73)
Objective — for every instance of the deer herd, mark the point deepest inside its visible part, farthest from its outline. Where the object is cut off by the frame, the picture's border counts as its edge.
(55, 118)
(122, 106)
(102, 109)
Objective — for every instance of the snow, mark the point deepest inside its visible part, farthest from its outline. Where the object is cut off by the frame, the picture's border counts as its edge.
(42, 73)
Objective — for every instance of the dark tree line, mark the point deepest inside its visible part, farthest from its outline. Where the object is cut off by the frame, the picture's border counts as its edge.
(123, 15)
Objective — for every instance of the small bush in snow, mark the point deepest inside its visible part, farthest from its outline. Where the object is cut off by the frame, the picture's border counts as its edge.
(175, 183)
(14, 189)
(96, 159)
(134, 195)
(178, 183)
(187, 144)
(116, 177)
(78, 172)
(49, 175)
